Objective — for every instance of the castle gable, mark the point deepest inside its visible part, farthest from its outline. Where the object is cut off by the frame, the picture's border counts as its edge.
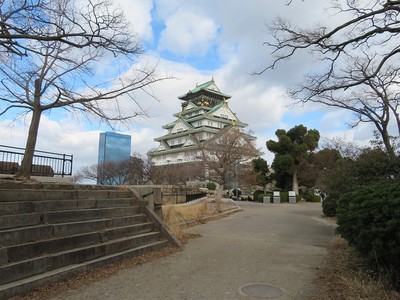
(180, 126)
(223, 112)
(162, 146)
(190, 105)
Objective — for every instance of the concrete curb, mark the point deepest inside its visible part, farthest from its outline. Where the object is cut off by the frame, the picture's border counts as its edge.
(213, 217)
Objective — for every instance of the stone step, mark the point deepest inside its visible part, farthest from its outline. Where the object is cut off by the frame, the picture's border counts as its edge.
(15, 236)
(22, 220)
(25, 251)
(88, 214)
(22, 269)
(23, 207)
(49, 232)
(26, 285)
(10, 195)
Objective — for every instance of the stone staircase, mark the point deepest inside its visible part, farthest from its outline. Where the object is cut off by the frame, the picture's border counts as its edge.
(52, 232)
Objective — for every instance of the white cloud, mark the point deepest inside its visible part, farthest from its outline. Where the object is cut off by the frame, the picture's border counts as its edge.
(138, 14)
(188, 33)
(270, 106)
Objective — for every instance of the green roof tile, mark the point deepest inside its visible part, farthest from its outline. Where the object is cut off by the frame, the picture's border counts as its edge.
(205, 87)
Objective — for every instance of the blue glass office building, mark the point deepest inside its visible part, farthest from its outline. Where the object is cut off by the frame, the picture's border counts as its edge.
(114, 147)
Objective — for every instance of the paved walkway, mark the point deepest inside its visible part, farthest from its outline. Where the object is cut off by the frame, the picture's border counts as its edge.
(275, 244)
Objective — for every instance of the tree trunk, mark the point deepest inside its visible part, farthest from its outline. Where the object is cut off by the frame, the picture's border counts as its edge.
(26, 164)
(295, 185)
(387, 143)
(218, 197)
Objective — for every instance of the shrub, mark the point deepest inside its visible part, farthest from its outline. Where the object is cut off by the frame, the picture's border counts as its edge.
(260, 197)
(313, 198)
(211, 186)
(257, 193)
(369, 219)
(329, 206)
(298, 198)
(370, 166)
(310, 196)
(284, 196)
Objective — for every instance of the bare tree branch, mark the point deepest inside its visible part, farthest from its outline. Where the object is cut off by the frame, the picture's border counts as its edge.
(49, 52)
(358, 62)
(369, 28)
(93, 24)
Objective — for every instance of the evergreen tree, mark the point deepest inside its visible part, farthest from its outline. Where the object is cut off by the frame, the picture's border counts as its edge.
(261, 169)
(291, 151)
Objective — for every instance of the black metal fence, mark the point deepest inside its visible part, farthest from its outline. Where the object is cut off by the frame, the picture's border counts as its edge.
(191, 197)
(44, 163)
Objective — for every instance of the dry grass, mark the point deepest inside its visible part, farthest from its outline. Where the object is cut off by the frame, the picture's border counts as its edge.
(175, 214)
(178, 217)
(343, 276)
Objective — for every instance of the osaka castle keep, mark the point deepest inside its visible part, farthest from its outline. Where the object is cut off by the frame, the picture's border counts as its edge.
(205, 111)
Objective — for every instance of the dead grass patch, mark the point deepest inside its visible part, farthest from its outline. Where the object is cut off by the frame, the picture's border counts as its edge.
(344, 277)
(175, 214)
(180, 217)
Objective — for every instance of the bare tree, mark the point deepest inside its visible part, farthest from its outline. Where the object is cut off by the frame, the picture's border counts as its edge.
(374, 26)
(86, 24)
(126, 172)
(86, 173)
(374, 101)
(345, 148)
(248, 179)
(223, 154)
(109, 173)
(358, 59)
(139, 170)
(58, 73)
(174, 174)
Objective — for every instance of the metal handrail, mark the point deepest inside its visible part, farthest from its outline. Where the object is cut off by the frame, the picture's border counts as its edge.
(44, 163)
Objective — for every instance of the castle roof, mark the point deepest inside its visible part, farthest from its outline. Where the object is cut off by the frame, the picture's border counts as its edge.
(208, 87)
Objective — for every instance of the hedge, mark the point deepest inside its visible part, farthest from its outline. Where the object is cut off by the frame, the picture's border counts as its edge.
(211, 186)
(329, 206)
(369, 219)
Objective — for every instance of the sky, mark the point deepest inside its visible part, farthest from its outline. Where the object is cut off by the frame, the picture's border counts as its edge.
(194, 41)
